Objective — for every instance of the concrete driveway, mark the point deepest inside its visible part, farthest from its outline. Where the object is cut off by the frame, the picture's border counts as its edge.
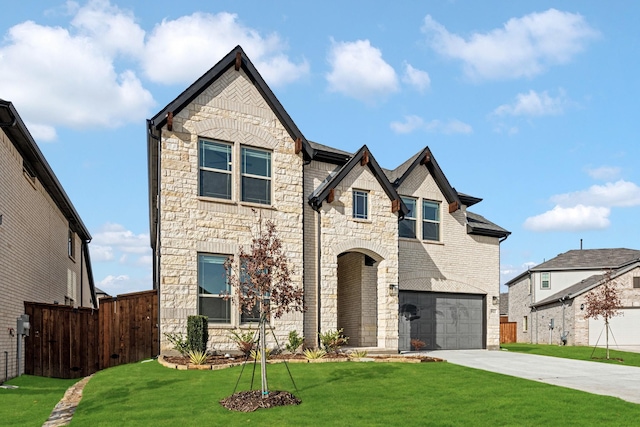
(592, 377)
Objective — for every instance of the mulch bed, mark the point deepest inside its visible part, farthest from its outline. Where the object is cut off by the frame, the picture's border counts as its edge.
(249, 401)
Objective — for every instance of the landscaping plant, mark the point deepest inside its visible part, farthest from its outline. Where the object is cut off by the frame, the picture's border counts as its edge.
(295, 342)
(331, 341)
(197, 357)
(604, 301)
(245, 341)
(179, 342)
(314, 353)
(261, 277)
(198, 333)
(417, 344)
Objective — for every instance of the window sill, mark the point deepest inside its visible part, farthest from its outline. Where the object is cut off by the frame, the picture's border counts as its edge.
(72, 258)
(216, 200)
(257, 205)
(433, 242)
(361, 220)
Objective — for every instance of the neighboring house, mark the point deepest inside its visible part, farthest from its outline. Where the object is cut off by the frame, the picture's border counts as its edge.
(553, 294)
(504, 306)
(43, 242)
(386, 255)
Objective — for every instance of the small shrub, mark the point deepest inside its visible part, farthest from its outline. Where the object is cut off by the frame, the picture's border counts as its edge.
(312, 354)
(331, 341)
(357, 354)
(197, 357)
(257, 354)
(179, 342)
(417, 344)
(198, 333)
(295, 342)
(245, 341)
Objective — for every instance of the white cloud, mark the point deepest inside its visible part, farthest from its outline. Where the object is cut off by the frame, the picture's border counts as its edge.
(410, 124)
(416, 78)
(75, 69)
(523, 47)
(534, 104)
(123, 284)
(181, 50)
(604, 173)
(358, 71)
(42, 133)
(576, 218)
(617, 194)
(115, 237)
(414, 123)
(101, 253)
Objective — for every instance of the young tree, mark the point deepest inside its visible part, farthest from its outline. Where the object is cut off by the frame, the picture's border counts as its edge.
(261, 278)
(604, 301)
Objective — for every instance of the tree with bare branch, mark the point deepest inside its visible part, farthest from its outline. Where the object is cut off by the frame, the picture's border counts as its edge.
(261, 281)
(604, 301)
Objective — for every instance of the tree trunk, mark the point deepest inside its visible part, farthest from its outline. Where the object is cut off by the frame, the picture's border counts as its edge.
(263, 354)
(606, 325)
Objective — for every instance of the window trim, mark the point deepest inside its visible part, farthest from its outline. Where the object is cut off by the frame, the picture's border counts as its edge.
(71, 244)
(636, 282)
(547, 280)
(201, 168)
(413, 218)
(365, 195)
(438, 221)
(525, 324)
(268, 178)
(219, 296)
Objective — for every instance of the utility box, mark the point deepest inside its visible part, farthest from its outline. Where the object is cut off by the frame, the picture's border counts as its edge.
(23, 326)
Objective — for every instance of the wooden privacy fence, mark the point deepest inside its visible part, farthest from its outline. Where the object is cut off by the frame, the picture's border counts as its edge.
(508, 332)
(67, 342)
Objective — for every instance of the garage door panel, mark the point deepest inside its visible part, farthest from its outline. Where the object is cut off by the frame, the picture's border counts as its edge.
(625, 329)
(443, 321)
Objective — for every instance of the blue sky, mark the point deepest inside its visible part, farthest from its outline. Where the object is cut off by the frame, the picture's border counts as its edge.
(531, 106)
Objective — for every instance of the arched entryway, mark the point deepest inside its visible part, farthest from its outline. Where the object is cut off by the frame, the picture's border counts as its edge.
(358, 297)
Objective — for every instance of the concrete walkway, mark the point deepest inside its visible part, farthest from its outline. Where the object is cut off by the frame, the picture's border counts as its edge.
(592, 377)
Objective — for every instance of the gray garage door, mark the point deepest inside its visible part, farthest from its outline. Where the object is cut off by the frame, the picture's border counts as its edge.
(442, 321)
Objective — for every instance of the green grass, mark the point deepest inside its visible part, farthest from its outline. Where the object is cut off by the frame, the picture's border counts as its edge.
(32, 402)
(343, 394)
(578, 353)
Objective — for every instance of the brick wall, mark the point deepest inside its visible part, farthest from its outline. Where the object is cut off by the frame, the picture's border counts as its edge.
(458, 263)
(33, 249)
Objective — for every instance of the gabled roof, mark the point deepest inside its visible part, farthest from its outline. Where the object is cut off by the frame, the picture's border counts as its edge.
(592, 259)
(18, 133)
(322, 192)
(425, 158)
(477, 224)
(587, 284)
(236, 58)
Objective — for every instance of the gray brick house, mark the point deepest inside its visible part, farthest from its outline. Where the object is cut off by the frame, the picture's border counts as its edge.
(553, 294)
(387, 255)
(44, 254)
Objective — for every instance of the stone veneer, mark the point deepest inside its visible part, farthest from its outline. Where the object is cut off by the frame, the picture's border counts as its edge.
(230, 110)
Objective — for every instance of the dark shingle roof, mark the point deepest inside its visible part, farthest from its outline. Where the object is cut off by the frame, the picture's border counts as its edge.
(589, 259)
(477, 224)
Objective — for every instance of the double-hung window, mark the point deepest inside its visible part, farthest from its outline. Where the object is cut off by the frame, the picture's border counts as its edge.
(213, 288)
(360, 204)
(256, 176)
(245, 283)
(407, 226)
(215, 169)
(430, 220)
(545, 281)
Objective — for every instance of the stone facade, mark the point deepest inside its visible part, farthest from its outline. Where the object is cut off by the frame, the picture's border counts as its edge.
(35, 260)
(350, 268)
(233, 111)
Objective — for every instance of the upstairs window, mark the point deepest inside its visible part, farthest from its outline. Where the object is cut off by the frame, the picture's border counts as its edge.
(213, 288)
(256, 176)
(545, 281)
(215, 169)
(71, 244)
(407, 226)
(430, 220)
(636, 282)
(360, 204)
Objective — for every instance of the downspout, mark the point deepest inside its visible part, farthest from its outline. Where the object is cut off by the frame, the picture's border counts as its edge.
(319, 276)
(92, 287)
(81, 275)
(564, 335)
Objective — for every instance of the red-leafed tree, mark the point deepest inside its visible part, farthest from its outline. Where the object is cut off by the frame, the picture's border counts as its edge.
(260, 278)
(604, 301)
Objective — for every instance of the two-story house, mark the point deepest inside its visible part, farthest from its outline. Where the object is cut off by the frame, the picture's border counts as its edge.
(44, 255)
(386, 255)
(548, 301)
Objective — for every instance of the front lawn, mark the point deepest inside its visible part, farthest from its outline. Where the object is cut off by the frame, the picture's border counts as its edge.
(348, 393)
(577, 352)
(31, 403)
